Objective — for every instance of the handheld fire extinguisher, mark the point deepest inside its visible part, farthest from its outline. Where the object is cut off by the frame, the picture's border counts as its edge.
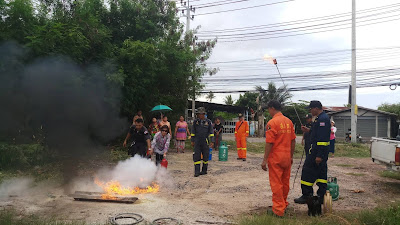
(164, 163)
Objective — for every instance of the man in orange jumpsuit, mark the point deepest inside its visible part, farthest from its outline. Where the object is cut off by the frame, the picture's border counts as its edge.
(241, 134)
(279, 149)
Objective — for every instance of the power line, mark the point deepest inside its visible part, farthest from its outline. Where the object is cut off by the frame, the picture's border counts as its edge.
(310, 54)
(293, 35)
(212, 4)
(250, 7)
(314, 19)
(364, 85)
(321, 61)
(301, 28)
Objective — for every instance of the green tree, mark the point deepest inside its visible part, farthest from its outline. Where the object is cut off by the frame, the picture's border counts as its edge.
(228, 100)
(290, 111)
(273, 93)
(139, 44)
(248, 99)
(392, 108)
(210, 96)
(18, 20)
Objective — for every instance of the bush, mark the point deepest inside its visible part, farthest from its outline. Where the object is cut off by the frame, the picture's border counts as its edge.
(23, 155)
(225, 115)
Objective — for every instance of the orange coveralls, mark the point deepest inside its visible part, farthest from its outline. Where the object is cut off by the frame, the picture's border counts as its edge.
(241, 132)
(280, 133)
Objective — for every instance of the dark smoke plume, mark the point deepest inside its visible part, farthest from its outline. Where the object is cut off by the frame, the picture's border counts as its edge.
(76, 109)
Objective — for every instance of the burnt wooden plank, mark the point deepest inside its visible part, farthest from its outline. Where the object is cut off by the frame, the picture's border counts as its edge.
(96, 197)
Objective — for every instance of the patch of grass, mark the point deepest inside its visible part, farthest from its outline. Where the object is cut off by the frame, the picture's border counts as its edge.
(259, 147)
(390, 174)
(389, 215)
(118, 153)
(344, 165)
(10, 217)
(353, 150)
(356, 174)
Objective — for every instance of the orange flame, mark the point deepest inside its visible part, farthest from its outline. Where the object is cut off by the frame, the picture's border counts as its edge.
(114, 188)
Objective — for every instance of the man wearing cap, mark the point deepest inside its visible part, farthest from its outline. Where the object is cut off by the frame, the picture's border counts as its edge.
(306, 141)
(202, 138)
(241, 134)
(279, 148)
(315, 166)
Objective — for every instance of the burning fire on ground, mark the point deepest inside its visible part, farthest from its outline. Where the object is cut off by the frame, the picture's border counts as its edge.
(114, 188)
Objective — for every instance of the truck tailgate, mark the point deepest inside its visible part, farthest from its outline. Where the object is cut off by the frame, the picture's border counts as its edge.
(384, 150)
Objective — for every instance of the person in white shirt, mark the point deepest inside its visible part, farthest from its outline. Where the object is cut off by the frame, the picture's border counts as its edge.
(160, 143)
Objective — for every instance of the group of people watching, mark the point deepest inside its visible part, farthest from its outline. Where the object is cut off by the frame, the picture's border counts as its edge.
(156, 138)
(318, 140)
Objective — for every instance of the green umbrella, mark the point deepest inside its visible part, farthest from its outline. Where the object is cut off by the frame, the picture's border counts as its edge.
(161, 108)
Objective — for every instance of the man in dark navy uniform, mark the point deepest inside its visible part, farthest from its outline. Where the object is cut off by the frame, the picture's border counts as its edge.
(141, 139)
(315, 166)
(306, 142)
(202, 140)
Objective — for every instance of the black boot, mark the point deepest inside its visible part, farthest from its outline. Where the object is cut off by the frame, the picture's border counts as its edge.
(302, 200)
(204, 169)
(196, 170)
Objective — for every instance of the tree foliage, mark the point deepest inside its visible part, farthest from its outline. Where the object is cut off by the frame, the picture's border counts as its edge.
(228, 100)
(273, 93)
(210, 96)
(248, 99)
(392, 108)
(140, 44)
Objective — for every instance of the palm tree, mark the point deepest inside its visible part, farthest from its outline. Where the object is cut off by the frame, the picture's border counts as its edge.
(272, 93)
(210, 96)
(265, 95)
(228, 100)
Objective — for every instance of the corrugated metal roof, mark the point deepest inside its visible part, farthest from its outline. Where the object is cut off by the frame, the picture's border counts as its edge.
(366, 109)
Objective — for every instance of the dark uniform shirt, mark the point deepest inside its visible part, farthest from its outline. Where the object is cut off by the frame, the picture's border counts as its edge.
(202, 131)
(218, 127)
(139, 136)
(320, 136)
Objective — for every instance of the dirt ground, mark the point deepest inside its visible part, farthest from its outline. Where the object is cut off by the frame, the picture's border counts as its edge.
(231, 189)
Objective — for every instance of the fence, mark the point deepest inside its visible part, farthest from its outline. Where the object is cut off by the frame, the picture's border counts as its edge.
(229, 126)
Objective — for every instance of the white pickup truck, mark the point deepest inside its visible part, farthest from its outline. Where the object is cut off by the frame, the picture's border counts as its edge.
(386, 151)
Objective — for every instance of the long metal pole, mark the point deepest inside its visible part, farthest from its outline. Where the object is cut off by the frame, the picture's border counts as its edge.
(187, 32)
(353, 76)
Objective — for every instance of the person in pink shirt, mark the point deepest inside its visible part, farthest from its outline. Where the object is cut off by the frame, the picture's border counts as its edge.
(181, 132)
(332, 139)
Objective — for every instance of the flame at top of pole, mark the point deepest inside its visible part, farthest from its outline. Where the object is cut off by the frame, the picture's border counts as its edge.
(270, 59)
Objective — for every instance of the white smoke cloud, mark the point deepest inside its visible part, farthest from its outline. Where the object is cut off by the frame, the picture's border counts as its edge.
(15, 186)
(130, 173)
(135, 172)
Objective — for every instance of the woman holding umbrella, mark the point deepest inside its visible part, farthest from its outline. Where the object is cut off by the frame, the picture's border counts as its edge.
(164, 121)
(181, 130)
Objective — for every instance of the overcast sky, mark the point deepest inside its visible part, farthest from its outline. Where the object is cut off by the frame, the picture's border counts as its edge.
(251, 70)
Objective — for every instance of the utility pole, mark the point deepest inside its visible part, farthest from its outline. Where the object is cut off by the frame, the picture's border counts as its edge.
(354, 108)
(189, 9)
